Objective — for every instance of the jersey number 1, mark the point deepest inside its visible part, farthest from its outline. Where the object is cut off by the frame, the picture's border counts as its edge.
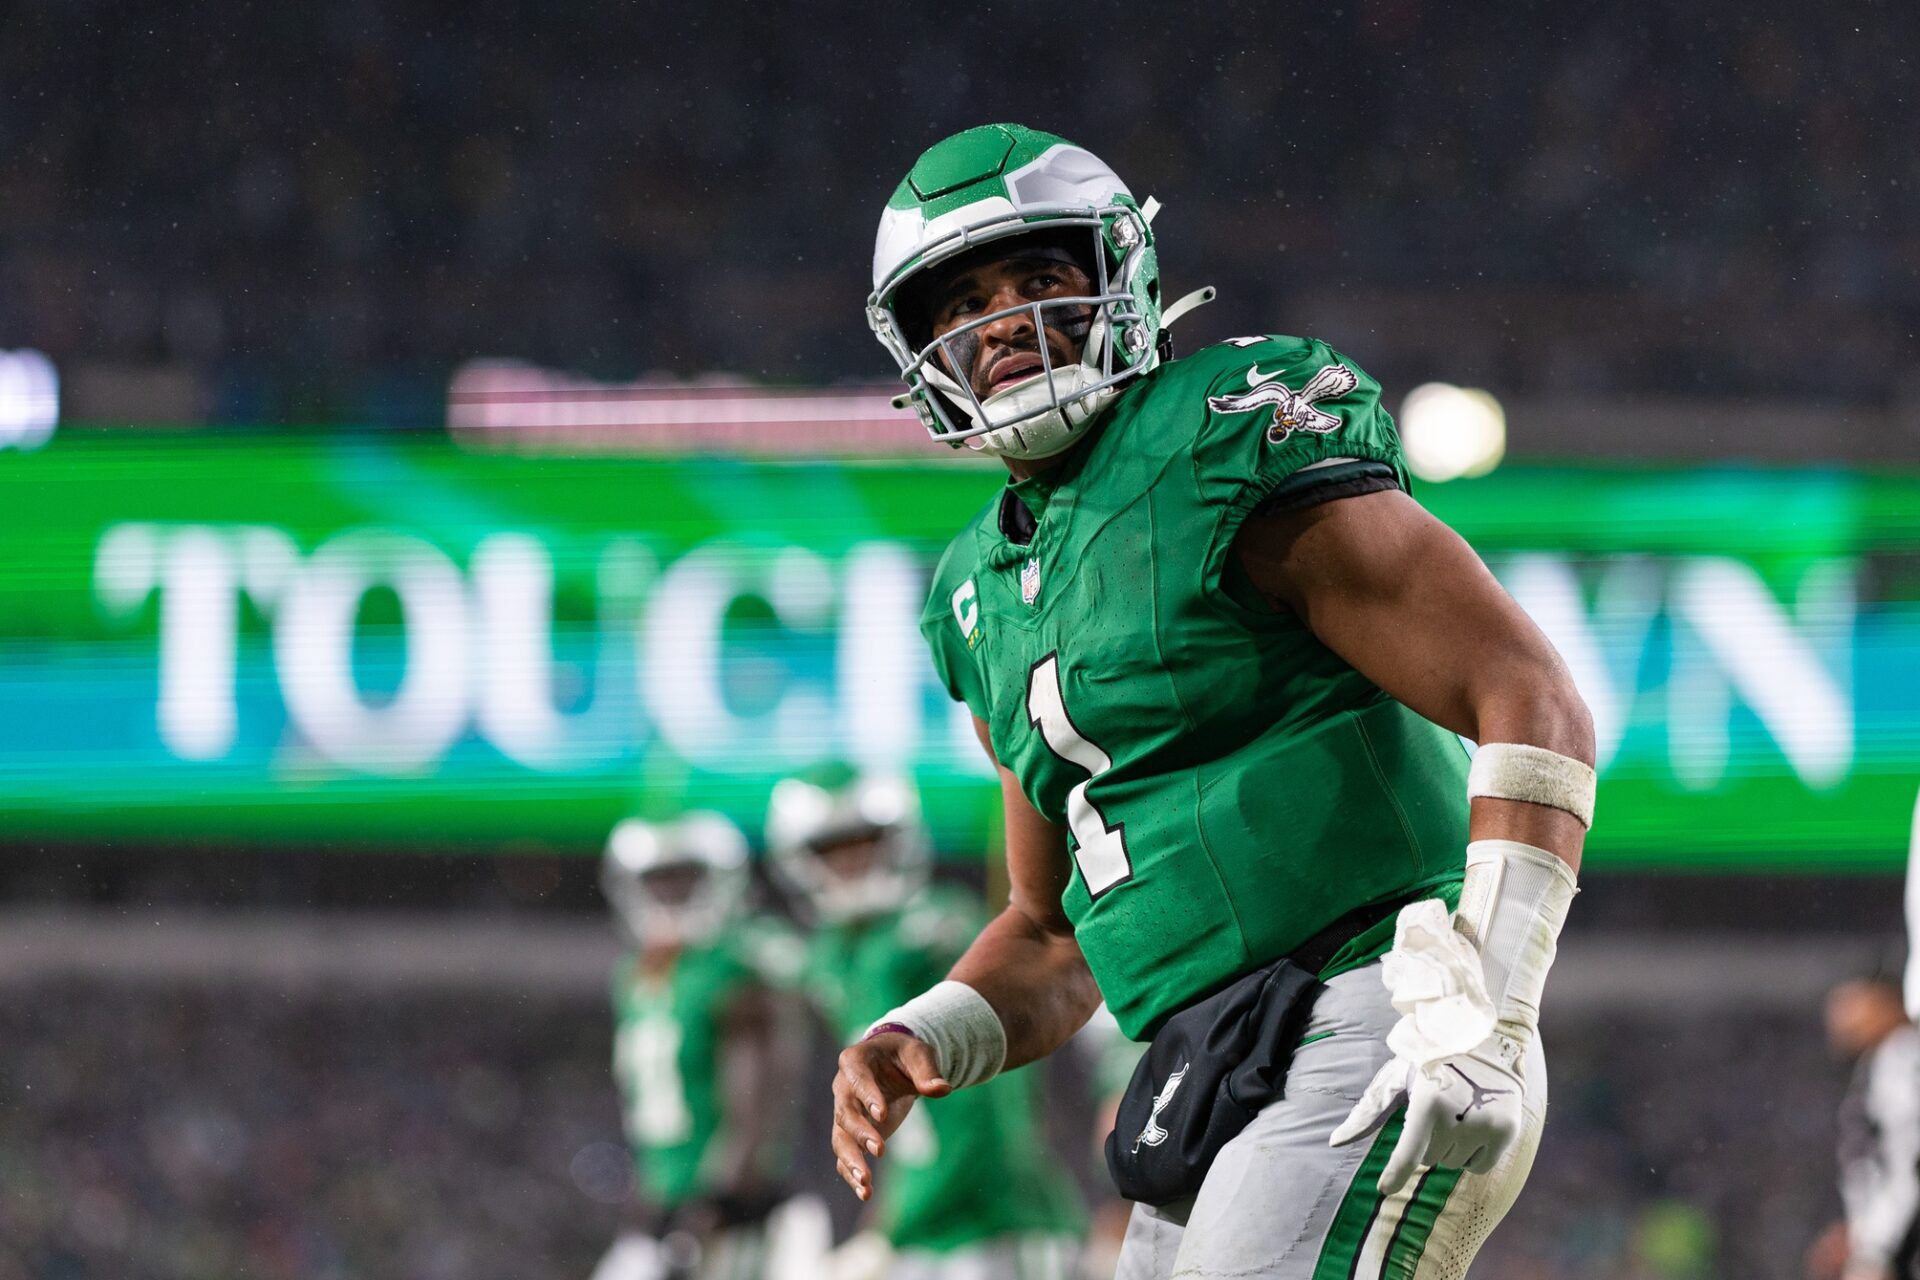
(1101, 850)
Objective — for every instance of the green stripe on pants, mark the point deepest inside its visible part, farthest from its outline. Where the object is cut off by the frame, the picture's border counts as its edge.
(1351, 1221)
(1417, 1223)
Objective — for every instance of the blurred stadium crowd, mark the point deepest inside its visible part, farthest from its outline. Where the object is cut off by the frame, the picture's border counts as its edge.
(224, 1132)
(323, 209)
(214, 1133)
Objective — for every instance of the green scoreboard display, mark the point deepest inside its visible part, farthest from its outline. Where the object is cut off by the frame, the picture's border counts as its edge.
(362, 641)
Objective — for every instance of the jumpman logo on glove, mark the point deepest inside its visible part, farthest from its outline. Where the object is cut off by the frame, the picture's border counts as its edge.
(1481, 1097)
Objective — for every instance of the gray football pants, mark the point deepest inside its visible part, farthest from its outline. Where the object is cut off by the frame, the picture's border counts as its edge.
(1280, 1204)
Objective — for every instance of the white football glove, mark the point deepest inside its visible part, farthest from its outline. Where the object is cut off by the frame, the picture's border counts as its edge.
(1463, 1111)
(1458, 1077)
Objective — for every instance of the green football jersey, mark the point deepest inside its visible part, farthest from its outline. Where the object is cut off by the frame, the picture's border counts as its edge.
(1230, 786)
(960, 1169)
(668, 1040)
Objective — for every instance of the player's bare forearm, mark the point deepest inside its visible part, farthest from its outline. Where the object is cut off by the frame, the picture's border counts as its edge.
(1403, 599)
(1025, 964)
(753, 1065)
(1040, 989)
(1036, 980)
(1026, 961)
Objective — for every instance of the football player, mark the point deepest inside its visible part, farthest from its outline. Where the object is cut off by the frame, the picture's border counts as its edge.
(972, 1193)
(1220, 657)
(697, 1052)
(1879, 1130)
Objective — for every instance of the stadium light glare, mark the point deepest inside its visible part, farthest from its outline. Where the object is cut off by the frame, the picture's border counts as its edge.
(29, 399)
(1449, 432)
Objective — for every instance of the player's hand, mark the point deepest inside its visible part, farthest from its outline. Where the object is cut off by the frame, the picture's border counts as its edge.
(872, 1092)
(1826, 1257)
(1463, 1112)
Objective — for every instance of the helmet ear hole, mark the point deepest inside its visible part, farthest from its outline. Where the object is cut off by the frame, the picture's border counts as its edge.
(912, 311)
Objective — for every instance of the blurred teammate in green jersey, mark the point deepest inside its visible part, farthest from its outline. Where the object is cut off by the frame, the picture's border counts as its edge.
(1220, 657)
(697, 1054)
(972, 1193)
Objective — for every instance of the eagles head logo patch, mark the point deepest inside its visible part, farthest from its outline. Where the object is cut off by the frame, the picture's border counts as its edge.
(1292, 410)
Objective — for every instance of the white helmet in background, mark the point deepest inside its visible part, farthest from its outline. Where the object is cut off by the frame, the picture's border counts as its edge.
(675, 883)
(805, 822)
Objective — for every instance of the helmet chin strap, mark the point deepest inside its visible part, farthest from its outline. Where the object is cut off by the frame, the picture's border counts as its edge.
(1041, 436)
(1192, 302)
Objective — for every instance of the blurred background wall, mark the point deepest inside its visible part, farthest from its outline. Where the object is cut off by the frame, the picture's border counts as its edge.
(312, 215)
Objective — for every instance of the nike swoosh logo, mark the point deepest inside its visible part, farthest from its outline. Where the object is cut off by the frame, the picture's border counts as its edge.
(1256, 378)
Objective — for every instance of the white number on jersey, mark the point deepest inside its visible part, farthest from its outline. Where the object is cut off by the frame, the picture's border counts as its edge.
(647, 1055)
(1102, 849)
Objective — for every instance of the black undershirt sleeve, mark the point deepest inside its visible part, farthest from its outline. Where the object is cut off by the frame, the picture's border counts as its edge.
(1348, 478)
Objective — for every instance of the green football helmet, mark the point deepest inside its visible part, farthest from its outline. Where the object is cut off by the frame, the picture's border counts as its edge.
(675, 883)
(805, 820)
(994, 183)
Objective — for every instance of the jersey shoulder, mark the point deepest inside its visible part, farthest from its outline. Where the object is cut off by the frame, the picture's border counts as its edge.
(958, 562)
(1181, 388)
(1212, 364)
(950, 619)
(769, 949)
(1311, 389)
(710, 971)
(941, 918)
(1256, 411)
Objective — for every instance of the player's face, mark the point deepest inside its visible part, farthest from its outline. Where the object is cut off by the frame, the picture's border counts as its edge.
(674, 886)
(999, 355)
(854, 859)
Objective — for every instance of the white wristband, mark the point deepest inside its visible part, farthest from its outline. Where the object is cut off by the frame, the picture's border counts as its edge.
(1512, 904)
(1513, 771)
(961, 1028)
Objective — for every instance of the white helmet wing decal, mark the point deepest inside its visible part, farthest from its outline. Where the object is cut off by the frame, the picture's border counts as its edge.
(1064, 175)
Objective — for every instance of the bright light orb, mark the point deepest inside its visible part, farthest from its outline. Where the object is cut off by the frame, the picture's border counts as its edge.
(1449, 432)
(29, 399)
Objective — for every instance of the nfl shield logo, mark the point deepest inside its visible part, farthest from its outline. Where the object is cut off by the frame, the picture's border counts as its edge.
(1030, 581)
